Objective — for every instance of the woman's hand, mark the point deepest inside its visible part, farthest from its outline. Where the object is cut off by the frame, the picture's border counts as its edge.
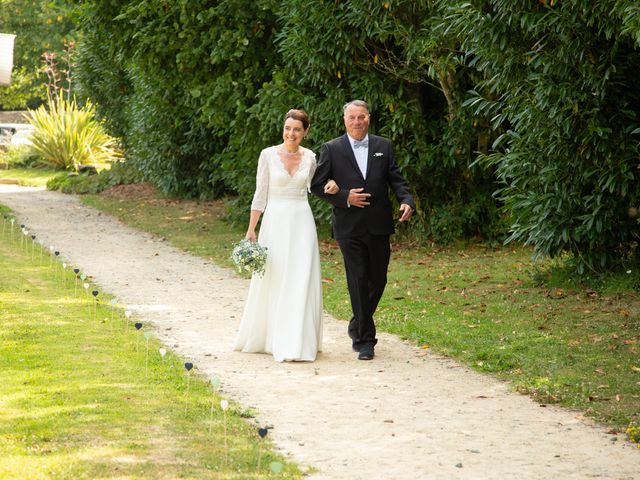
(251, 235)
(331, 187)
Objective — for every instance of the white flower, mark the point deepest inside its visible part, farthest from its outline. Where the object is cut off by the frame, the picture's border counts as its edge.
(249, 256)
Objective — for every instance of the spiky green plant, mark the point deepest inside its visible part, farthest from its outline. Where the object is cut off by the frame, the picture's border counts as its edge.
(67, 135)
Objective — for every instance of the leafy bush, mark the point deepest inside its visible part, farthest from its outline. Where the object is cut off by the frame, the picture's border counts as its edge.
(194, 113)
(67, 136)
(560, 85)
(633, 432)
(39, 26)
(19, 156)
(120, 173)
(543, 92)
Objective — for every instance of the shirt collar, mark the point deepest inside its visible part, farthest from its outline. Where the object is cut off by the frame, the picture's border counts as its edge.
(351, 139)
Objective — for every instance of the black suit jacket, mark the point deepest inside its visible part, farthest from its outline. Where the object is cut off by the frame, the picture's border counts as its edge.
(338, 162)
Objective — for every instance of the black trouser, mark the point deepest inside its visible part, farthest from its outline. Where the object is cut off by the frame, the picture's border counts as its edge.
(366, 259)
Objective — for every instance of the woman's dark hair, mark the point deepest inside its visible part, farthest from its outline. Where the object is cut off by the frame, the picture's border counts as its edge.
(300, 115)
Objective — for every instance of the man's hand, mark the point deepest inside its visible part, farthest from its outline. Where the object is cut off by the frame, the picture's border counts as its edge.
(358, 199)
(407, 211)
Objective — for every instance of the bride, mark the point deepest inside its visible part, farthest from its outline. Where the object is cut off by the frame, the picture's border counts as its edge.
(283, 311)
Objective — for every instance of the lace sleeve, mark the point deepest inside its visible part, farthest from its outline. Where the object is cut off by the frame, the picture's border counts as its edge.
(312, 170)
(262, 184)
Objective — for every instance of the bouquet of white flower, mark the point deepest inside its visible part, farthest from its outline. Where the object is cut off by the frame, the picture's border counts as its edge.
(249, 256)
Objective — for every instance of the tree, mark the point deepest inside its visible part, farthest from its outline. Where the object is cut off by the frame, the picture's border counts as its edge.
(560, 85)
(39, 26)
(177, 104)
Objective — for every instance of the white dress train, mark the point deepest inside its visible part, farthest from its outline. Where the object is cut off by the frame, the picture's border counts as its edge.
(283, 311)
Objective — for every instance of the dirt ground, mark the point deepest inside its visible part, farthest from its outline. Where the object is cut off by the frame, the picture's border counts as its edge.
(405, 415)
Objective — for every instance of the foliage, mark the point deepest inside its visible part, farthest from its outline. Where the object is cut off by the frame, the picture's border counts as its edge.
(560, 86)
(19, 156)
(120, 173)
(25, 90)
(67, 136)
(194, 113)
(40, 26)
(521, 113)
(176, 104)
(633, 431)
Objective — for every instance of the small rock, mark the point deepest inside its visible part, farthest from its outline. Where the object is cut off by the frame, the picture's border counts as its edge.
(458, 465)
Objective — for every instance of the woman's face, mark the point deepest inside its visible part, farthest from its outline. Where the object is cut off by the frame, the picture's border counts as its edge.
(292, 133)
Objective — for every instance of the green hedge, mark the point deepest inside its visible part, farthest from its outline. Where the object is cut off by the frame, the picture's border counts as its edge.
(196, 89)
(560, 81)
(195, 110)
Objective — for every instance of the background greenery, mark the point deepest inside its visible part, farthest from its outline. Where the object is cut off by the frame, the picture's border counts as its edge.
(533, 101)
(511, 119)
(40, 26)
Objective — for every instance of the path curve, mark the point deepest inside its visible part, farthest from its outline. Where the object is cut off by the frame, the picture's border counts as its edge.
(402, 416)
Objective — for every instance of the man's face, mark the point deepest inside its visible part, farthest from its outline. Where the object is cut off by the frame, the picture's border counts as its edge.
(356, 120)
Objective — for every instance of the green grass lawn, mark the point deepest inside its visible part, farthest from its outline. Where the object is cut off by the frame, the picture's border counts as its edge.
(33, 177)
(493, 308)
(84, 395)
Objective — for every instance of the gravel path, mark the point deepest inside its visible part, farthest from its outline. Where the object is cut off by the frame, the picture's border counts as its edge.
(405, 415)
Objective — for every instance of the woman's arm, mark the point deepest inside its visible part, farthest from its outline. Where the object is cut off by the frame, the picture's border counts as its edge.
(253, 222)
(259, 197)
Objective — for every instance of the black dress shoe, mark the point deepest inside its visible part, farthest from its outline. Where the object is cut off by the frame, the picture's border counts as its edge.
(366, 353)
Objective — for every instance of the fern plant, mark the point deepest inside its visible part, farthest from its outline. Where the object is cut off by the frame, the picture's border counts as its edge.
(66, 136)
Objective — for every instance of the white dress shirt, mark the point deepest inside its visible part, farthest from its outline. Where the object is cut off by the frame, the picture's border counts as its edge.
(361, 154)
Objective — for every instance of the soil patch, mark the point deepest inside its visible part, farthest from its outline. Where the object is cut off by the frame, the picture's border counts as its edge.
(134, 191)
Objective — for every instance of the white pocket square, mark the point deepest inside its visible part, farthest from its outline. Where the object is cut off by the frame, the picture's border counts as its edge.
(377, 154)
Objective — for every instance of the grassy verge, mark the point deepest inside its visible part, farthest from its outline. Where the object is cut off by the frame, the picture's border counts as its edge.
(493, 308)
(32, 177)
(84, 394)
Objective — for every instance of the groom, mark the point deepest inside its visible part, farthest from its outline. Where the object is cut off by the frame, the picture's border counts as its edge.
(364, 168)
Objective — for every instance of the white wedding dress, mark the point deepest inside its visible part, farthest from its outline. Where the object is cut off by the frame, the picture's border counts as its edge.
(283, 311)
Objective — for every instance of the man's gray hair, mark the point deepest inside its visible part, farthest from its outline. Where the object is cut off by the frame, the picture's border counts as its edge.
(355, 103)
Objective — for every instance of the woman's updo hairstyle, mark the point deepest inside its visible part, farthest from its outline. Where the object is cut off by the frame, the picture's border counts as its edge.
(299, 115)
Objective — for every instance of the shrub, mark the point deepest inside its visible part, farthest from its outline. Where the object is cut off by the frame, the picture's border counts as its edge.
(560, 84)
(67, 136)
(633, 431)
(120, 173)
(19, 156)
(39, 26)
(194, 113)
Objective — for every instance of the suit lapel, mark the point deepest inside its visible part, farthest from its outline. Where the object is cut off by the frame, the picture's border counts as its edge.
(370, 152)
